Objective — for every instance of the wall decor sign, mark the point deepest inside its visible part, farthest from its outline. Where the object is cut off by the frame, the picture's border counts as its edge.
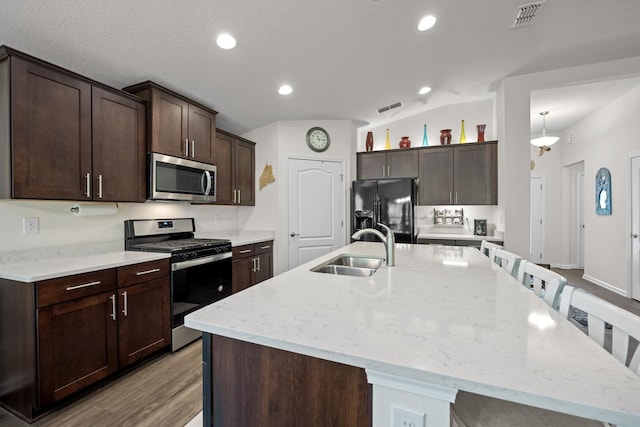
(603, 192)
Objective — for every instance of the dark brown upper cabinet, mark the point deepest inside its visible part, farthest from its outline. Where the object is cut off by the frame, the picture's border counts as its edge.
(235, 159)
(178, 126)
(65, 137)
(459, 174)
(387, 164)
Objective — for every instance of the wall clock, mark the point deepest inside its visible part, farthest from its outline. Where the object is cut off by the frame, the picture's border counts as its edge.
(318, 139)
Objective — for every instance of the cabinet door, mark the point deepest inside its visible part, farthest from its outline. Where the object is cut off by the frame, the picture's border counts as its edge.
(475, 174)
(371, 165)
(435, 185)
(202, 132)
(222, 156)
(119, 147)
(402, 164)
(51, 133)
(242, 274)
(169, 124)
(264, 268)
(245, 173)
(144, 320)
(77, 345)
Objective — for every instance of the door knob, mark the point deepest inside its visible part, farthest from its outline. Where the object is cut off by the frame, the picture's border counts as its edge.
(634, 235)
(294, 234)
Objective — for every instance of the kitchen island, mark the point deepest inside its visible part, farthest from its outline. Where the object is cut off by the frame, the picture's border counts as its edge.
(443, 319)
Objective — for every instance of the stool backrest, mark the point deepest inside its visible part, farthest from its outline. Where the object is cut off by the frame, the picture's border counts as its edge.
(507, 260)
(486, 247)
(543, 282)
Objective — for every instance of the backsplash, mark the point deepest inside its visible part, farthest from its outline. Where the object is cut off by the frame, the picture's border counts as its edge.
(425, 219)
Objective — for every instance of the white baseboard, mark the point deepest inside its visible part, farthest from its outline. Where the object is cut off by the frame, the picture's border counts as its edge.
(564, 266)
(605, 285)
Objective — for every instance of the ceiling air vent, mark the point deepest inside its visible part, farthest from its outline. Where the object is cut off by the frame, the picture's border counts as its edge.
(528, 13)
(389, 107)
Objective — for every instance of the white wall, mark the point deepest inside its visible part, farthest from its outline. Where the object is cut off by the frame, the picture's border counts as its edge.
(447, 117)
(277, 143)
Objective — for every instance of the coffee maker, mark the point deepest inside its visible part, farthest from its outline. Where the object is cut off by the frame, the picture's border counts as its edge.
(480, 227)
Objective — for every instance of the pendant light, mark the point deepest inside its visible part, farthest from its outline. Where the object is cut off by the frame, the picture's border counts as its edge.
(544, 140)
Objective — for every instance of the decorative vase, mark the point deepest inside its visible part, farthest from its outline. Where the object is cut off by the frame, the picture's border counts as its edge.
(387, 144)
(481, 129)
(463, 137)
(425, 142)
(405, 142)
(445, 136)
(369, 141)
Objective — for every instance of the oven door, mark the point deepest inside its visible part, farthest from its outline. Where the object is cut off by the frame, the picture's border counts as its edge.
(172, 178)
(197, 283)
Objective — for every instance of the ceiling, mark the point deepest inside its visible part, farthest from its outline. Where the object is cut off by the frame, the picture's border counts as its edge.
(343, 58)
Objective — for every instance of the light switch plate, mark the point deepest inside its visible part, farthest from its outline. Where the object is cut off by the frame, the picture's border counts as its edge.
(401, 417)
(30, 225)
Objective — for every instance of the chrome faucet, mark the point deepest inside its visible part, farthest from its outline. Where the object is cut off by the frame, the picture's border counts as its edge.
(389, 241)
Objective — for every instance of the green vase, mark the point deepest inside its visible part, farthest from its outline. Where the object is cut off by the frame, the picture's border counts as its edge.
(425, 142)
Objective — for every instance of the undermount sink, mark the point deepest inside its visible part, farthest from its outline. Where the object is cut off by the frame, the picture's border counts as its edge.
(350, 265)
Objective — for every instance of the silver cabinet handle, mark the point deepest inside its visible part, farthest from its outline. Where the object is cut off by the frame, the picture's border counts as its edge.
(383, 171)
(450, 200)
(258, 260)
(87, 178)
(193, 148)
(253, 265)
(186, 147)
(265, 247)
(246, 251)
(124, 299)
(85, 285)
(239, 198)
(388, 172)
(113, 306)
(100, 186)
(234, 195)
(153, 270)
(456, 197)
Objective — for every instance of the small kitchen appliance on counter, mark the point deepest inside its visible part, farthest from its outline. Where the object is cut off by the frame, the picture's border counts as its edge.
(480, 227)
(200, 268)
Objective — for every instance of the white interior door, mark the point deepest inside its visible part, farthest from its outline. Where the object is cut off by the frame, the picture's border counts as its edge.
(635, 228)
(537, 219)
(580, 220)
(316, 213)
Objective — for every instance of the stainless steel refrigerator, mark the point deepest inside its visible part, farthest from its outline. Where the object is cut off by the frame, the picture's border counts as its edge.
(389, 201)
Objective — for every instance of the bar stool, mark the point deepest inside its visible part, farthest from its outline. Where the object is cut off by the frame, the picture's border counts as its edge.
(543, 282)
(486, 247)
(507, 260)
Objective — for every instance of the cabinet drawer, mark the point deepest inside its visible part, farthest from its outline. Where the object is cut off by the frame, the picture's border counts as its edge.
(138, 273)
(263, 247)
(242, 251)
(68, 288)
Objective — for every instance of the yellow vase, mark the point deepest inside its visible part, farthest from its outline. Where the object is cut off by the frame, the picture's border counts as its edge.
(463, 137)
(387, 144)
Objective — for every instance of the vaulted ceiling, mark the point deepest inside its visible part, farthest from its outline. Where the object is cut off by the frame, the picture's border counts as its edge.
(343, 58)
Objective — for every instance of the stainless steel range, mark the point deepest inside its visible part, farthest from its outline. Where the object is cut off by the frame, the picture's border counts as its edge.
(200, 268)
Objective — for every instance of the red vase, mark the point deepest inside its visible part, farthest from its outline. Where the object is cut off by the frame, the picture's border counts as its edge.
(369, 141)
(445, 136)
(481, 129)
(405, 142)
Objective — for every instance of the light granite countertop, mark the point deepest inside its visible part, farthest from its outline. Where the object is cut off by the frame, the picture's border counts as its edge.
(29, 272)
(443, 315)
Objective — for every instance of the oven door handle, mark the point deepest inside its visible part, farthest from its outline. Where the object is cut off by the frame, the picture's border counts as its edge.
(199, 261)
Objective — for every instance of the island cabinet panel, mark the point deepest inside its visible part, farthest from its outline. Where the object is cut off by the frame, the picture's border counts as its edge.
(254, 385)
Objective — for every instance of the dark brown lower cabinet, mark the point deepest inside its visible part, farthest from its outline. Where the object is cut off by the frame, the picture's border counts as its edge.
(64, 334)
(77, 345)
(252, 264)
(252, 385)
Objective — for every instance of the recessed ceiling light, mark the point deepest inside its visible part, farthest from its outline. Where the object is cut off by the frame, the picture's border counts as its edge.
(285, 90)
(426, 23)
(226, 41)
(424, 90)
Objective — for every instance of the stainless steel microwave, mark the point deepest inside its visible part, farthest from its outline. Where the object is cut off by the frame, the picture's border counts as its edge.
(173, 178)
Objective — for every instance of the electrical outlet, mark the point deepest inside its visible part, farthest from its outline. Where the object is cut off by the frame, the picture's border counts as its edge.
(406, 418)
(30, 225)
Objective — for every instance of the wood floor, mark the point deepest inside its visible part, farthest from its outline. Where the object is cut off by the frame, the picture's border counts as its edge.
(165, 391)
(574, 277)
